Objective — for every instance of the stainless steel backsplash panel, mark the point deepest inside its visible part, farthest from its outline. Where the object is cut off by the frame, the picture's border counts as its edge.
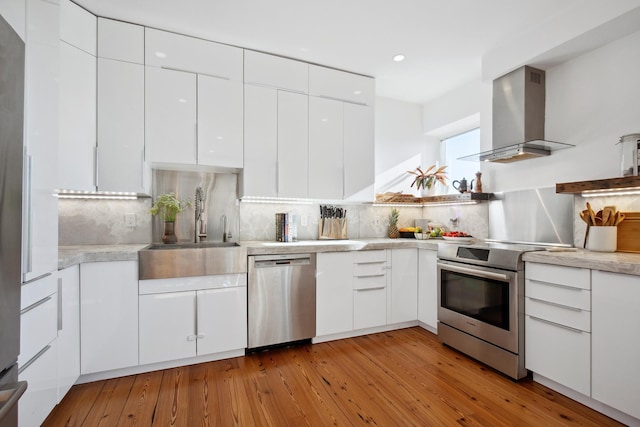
(532, 216)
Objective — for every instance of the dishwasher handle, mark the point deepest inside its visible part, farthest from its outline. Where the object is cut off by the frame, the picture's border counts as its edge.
(282, 260)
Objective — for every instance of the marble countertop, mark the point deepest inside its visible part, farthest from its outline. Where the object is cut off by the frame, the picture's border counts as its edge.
(77, 254)
(615, 262)
(263, 248)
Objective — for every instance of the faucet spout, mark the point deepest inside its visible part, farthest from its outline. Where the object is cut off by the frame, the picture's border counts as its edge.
(200, 224)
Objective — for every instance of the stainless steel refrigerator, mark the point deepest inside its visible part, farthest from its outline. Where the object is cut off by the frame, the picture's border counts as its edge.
(11, 155)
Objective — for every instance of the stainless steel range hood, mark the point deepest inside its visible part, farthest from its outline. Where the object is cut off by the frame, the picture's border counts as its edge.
(518, 118)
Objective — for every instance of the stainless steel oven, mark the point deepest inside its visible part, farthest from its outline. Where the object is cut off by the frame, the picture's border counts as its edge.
(481, 303)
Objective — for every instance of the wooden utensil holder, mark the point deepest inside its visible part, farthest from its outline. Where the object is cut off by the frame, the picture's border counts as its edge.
(332, 229)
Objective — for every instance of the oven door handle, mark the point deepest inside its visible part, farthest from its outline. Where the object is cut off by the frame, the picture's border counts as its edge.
(476, 272)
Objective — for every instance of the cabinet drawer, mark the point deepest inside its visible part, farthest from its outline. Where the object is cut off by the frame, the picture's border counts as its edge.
(369, 308)
(41, 395)
(38, 327)
(369, 256)
(566, 316)
(558, 353)
(369, 282)
(559, 294)
(35, 291)
(567, 276)
(369, 269)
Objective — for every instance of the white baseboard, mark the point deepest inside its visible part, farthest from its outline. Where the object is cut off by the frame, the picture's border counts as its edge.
(360, 332)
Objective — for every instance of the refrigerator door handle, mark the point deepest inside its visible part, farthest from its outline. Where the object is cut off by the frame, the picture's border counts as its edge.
(9, 398)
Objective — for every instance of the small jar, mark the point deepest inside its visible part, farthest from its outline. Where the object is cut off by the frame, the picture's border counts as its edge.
(630, 150)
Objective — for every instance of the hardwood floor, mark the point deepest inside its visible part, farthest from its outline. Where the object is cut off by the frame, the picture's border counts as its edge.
(403, 377)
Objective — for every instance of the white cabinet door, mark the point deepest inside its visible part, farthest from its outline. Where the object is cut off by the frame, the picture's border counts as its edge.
(171, 50)
(108, 315)
(558, 352)
(428, 288)
(14, 11)
(121, 126)
(336, 84)
(615, 345)
(293, 144)
(42, 61)
(38, 320)
(167, 337)
(275, 71)
(68, 329)
(369, 307)
(41, 395)
(359, 159)
(404, 285)
(222, 320)
(260, 142)
(326, 160)
(77, 154)
(170, 116)
(120, 41)
(78, 27)
(220, 118)
(334, 293)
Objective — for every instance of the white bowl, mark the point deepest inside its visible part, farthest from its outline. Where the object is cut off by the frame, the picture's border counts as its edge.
(421, 236)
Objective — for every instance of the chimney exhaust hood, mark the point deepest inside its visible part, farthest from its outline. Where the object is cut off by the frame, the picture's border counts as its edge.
(518, 118)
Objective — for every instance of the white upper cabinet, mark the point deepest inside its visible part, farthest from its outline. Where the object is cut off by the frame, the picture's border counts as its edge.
(275, 71)
(120, 41)
(336, 84)
(121, 126)
(260, 142)
(170, 116)
(77, 150)
(359, 153)
(293, 144)
(78, 27)
(14, 12)
(220, 118)
(170, 50)
(326, 160)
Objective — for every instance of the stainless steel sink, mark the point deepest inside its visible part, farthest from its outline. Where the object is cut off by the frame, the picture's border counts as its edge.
(159, 261)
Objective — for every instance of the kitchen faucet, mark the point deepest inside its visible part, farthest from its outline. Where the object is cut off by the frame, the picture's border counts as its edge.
(200, 226)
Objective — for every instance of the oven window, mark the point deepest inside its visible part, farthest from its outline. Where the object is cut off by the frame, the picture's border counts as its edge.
(483, 299)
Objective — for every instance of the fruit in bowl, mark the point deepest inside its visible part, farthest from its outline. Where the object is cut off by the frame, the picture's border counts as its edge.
(455, 234)
(421, 236)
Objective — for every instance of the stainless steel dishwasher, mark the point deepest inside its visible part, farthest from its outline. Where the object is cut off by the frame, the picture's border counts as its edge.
(282, 299)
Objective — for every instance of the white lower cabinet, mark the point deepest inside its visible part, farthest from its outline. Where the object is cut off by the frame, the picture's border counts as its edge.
(68, 329)
(108, 315)
(616, 346)
(558, 324)
(334, 293)
(42, 390)
(428, 288)
(207, 315)
(369, 307)
(404, 285)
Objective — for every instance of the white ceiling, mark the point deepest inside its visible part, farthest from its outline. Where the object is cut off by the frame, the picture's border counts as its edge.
(443, 40)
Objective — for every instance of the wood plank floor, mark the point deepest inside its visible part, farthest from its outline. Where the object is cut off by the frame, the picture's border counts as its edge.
(403, 377)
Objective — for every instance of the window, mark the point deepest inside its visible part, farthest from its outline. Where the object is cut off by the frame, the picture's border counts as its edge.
(457, 146)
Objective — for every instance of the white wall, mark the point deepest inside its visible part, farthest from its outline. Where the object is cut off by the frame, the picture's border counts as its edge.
(400, 144)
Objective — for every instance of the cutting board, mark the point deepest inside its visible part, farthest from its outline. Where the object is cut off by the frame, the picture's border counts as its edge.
(629, 233)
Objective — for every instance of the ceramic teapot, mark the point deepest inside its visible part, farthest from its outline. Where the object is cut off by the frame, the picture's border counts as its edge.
(461, 185)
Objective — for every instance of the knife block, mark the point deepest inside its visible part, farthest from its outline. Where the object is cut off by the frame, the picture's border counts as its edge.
(332, 228)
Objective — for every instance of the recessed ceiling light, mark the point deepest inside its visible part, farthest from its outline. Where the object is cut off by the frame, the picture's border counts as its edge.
(398, 58)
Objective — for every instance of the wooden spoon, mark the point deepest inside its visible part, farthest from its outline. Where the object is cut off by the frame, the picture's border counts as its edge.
(619, 218)
(592, 214)
(606, 214)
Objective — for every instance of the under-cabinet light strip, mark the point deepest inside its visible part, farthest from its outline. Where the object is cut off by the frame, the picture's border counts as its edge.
(629, 191)
(105, 195)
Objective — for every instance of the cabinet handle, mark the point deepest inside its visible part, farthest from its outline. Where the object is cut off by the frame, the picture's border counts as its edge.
(35, 304)
(557, 285)
(555, 304)
(548, 322)
(370, 275)
(142, 170)
(370, 289)
(28, 259)
(59, 303)
(341, 100)
(31, 361)
(96, 173)
(191, 337)
(277, 177)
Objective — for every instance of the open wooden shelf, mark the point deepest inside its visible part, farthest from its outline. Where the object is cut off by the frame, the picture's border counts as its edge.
(447, 198)
(598, 184)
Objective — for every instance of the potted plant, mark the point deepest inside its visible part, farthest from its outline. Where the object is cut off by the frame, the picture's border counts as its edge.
(168, 206)
(426, 180)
